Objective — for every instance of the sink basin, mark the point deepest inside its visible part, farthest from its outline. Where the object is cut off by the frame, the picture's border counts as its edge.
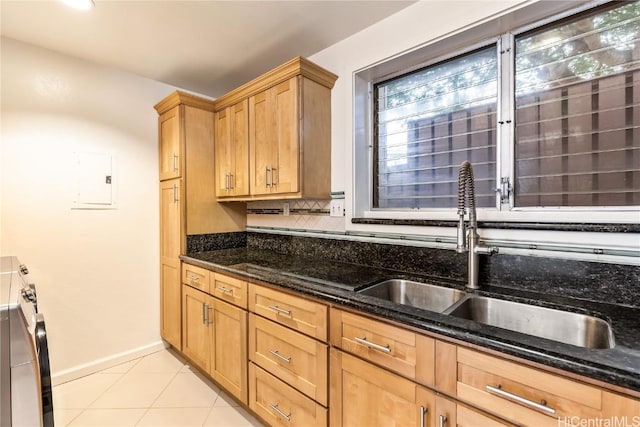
(571, 328)
(416, 294)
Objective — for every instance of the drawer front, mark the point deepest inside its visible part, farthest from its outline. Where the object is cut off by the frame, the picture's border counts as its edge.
(196, 277)
(397, 349)
(229, 289)
(297, 313)
(522, 394)
(467, 417)
(279, 404)
(296, 359)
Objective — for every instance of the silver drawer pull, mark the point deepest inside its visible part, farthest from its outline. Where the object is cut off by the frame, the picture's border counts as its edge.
(274, 407)
(279, 356)
(225, 290)
(192, 277)
(442, 421)
(373, 345)
(519, 399)
(175, 162)
(280, 310)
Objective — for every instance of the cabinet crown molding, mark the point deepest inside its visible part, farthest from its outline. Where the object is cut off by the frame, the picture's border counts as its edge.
(294, 67)
(179, 97)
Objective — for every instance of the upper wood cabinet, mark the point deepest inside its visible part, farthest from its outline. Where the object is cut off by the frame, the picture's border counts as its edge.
(288, 135)
(169, 135)
(232, 150)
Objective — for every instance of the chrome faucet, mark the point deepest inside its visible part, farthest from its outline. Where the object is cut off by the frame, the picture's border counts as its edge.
(468, 234)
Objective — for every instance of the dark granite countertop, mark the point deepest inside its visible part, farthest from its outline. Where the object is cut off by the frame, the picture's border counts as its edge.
(338, 283)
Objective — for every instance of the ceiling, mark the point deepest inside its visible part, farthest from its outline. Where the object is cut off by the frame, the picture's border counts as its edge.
(205, 46)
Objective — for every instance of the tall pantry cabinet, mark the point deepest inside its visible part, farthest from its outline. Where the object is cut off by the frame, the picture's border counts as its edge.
(187, 198)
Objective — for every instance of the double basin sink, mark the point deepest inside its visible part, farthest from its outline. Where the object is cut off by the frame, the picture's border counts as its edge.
(577, 329)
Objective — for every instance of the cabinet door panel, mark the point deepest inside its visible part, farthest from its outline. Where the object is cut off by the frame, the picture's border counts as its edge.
(195, 328)
(363, 394)
(223, 152)
(239, 179)
(170, 147)
(229, 360)
(171, 231)
(285, 177)
(262, 136)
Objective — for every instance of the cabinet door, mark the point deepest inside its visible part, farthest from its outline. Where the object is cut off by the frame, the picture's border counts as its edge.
(171, 244)
(262, 139)
(365, 395)
(170, 146)
(274, 137)
(239, 130)
(229, 358)
(196, 335)
(223, 152)
(287, 155)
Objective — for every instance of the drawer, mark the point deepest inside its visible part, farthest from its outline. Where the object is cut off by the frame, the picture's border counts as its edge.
(297, 313)
(279, 404)
(522, 394)
(468, 417)
(196, 277)
(229, 289)
(397, 349)
(296, 359)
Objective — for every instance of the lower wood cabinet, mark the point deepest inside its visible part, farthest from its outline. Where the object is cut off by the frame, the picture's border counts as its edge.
(276, 360)
(363, 394)
(215, 338)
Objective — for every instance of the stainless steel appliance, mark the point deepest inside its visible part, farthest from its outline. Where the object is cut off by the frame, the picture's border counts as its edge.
(25, 376)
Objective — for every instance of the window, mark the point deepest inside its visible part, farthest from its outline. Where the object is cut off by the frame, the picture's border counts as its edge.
(430, 121)
(577, 100)
(556, 118)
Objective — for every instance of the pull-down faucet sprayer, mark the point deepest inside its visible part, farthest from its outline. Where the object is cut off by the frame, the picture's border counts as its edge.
(467, 234)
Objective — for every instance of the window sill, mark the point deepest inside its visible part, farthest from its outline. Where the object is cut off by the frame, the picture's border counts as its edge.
(585, 227)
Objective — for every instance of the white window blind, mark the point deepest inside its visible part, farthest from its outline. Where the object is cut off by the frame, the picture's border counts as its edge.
(430, 121)
(577, 100)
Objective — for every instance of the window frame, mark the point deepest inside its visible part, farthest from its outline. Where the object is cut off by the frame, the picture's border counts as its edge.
(364, 120)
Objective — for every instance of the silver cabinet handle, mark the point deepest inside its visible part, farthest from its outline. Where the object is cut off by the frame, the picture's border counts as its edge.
(280, 310)
(175, 193)
(519, 399)
(209, 320)
(363, 341)
(273, 181)
(204, 313)
(230, 181)
(279, 356)
(274, 408)
(423, 413)
(267, 170)
(175, 162)
(225, 290)
(226, 181)
(442, 421)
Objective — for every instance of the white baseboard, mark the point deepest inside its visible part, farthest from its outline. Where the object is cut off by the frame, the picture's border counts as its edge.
(105, 363)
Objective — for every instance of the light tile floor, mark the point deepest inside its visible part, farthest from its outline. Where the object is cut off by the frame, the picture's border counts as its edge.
(156, 390)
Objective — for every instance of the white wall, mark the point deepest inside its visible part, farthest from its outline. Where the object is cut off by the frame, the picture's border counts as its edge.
(96, 271)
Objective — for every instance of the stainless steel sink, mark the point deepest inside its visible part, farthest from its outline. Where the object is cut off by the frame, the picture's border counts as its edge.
(416, 294)
(571, 328)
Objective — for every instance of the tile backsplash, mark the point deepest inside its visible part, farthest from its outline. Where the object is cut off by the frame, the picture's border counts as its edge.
(312, 215)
